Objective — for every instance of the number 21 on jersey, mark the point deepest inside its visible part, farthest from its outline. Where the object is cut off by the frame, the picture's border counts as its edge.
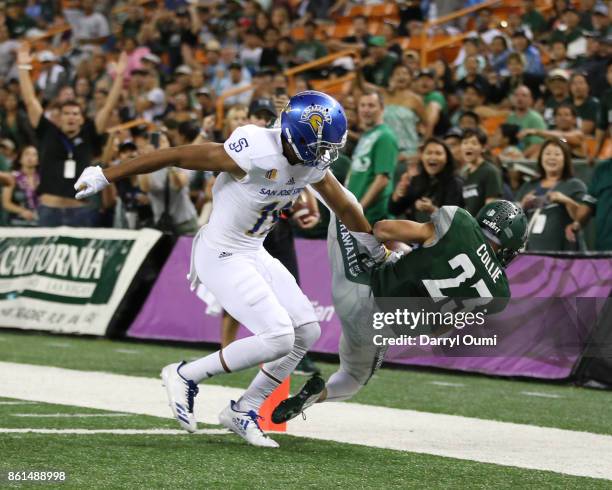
(462, 261)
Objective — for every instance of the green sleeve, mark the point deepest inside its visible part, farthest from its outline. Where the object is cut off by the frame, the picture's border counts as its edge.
(436, 97)
(384, 155)
(492, 183)
(576, 189)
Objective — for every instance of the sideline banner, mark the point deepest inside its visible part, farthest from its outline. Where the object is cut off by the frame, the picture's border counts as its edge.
(68, 280)
(173, 312)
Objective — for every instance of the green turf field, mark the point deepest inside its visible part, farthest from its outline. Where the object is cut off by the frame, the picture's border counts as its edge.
(215, 461)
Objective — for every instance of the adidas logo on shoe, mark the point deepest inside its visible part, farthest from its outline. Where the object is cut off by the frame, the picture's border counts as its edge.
(291, 181)
(223, 255)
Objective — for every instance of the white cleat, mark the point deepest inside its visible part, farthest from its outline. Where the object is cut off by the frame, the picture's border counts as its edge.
(181, 393)
(245, 424)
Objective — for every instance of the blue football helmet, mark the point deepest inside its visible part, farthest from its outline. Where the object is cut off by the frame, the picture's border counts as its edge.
(314, 124)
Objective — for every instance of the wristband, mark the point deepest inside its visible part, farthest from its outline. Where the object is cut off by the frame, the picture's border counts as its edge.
(24, 66)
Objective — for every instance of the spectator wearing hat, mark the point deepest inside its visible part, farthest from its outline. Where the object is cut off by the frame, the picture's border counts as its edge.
(557, 84)
(233, 81)
(470, 99)
(148, 98)
(205, 102)
(452, 139)
(65, 150)
(379, 63)
(587, 107)
(374, 159)
(594, 62)
(600, 20)
(309, 48)
(533, 61)
(134, 210)
(524, 116)
(262, 112)
(436, 107)
(52, 76)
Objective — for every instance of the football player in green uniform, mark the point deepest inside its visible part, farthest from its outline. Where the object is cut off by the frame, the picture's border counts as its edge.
(457, 256)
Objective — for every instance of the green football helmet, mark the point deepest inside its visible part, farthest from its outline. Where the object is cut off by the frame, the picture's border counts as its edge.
(505, 224)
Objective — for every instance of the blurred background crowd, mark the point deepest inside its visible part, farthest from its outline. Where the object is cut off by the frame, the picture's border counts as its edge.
(446, 106)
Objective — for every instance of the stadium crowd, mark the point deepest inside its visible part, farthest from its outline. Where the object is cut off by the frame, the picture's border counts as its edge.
(127, 78)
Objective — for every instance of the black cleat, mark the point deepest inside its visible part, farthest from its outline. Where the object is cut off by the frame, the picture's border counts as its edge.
(306, 367)
(295, 405)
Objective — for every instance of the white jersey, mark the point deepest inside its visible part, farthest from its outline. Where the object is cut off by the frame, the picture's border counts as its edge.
(245, 210)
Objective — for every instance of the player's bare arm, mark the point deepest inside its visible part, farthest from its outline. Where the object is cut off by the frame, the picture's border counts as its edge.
(404, 231)
(346, 210)
(208, 156)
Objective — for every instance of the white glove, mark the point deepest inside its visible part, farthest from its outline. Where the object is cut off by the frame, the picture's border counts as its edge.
(90, 182)
(375, 249)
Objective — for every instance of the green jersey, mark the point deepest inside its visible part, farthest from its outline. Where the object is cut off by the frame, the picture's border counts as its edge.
(459, 263)
(531, 120)
(481, 184)
(599, 198)
(403, 122)
(375, 154)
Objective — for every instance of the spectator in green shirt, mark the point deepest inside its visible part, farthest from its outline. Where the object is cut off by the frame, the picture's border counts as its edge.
(309, 48)
(533, 18)
(587, 107)
(482, 180)
(551, 202)
(598, 200)
(436, 108)
(378, 65)
(526, 118)
(374, 159)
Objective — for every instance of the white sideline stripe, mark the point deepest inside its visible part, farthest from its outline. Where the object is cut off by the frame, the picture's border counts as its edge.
(127, 351)
(70, 415)
(542, 395)
(18, 403)
(61, 345)
(447, 383)
(487, 441)
(152, 432)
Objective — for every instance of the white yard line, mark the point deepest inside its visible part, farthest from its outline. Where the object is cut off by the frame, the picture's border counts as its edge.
(525, 446)
(127, 351)
(151, 432)
(18, 403)
(447, 383)
(70, 415)
(541, 395)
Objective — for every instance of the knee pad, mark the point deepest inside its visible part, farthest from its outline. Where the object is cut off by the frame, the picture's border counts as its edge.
(277, 343)
(306, 335)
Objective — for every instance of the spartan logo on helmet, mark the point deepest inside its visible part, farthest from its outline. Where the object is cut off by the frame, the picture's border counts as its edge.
(316, 116)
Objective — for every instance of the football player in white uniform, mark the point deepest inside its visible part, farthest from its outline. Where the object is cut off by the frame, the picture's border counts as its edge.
(262, 172)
